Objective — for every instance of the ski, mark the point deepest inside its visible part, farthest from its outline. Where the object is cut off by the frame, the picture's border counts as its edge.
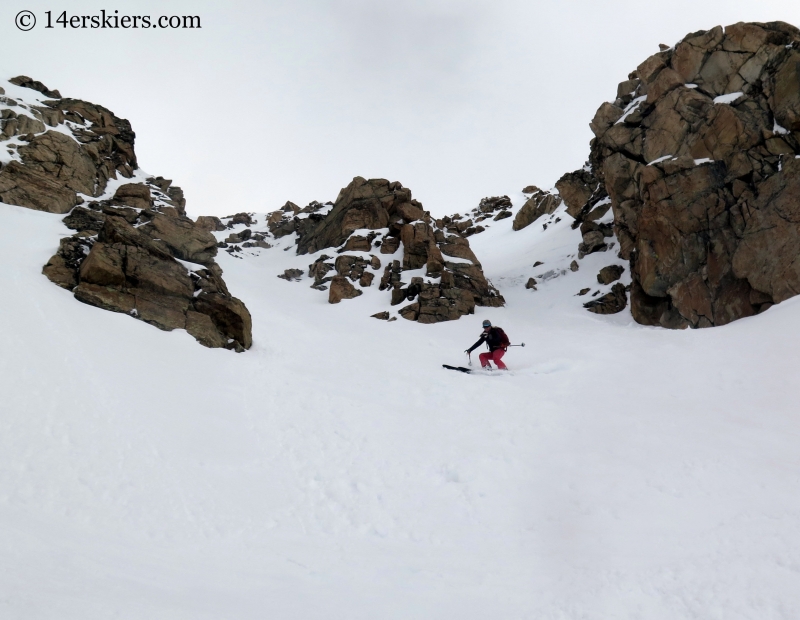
(458, 368)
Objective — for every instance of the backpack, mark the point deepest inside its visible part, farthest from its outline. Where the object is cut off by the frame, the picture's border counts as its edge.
(504, 341)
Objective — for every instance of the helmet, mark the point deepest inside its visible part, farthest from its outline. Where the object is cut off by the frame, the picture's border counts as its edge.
(487, 324)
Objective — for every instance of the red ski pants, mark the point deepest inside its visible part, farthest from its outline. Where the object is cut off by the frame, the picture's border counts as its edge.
(495, 356)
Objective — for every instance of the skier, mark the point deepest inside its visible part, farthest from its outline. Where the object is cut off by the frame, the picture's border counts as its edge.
(497, 341)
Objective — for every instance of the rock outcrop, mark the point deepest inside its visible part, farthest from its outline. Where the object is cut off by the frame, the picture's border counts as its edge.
(377, 218)
(371, 205)
(111, 264)
(576, 189)
(127, 250)
(490, 209)
(697, 158)
(26, 82)
(52, 168)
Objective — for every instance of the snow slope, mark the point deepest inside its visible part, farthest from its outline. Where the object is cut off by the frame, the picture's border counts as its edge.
(335, 470)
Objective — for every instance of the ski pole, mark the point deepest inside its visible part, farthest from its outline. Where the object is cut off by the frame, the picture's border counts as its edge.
(469, 355)
(517, 345)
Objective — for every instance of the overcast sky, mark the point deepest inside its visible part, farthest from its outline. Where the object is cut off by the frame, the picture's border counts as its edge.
(276, 101)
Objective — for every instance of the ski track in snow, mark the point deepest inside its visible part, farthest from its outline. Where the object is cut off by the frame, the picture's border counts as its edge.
(335, 470)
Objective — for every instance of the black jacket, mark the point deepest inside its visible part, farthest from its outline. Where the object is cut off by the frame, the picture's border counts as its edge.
(491, 338)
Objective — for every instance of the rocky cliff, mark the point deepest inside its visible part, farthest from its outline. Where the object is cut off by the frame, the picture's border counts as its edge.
(693, 178)
(134, 250)
(697, 158)
(429, 265)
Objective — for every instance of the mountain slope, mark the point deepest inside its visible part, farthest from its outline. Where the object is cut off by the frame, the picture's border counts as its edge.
(336, 471)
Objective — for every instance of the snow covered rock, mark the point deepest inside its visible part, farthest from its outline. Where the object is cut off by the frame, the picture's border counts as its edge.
(539, 204)
(697, 156)
(610, 303)
(49, 168)
(123, 269)
(352, 267)
(130, 236)
(291, 275)
(240, 218)
(26, 82)
(319, 270)
(362, 204)
(378, 216)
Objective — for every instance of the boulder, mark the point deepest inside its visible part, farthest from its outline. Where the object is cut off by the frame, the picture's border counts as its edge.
(610, 303)
(594, 238)
(340, 289)
(292, 275)
(539, 204)
(491, 204)
(240, 237)
(319, 270)
(240, 218)
(610, 274)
